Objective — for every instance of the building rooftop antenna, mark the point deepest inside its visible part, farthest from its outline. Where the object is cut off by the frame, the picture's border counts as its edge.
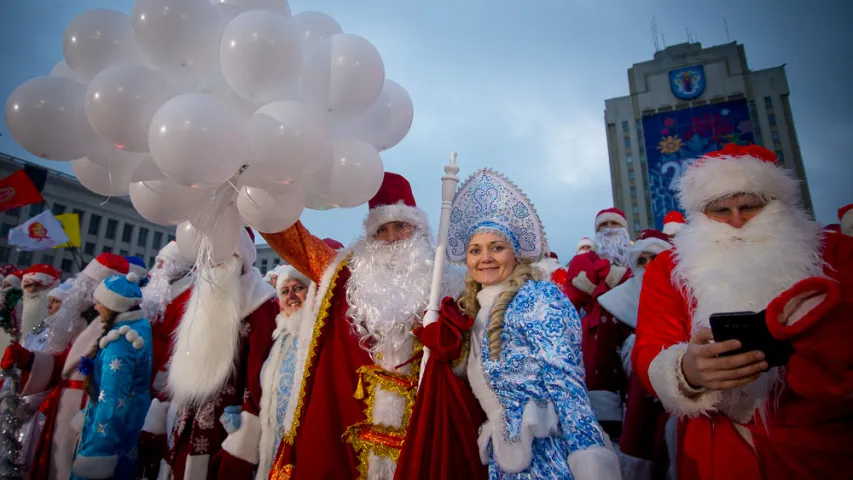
(726, 23)
(689, 38)
(655, 34)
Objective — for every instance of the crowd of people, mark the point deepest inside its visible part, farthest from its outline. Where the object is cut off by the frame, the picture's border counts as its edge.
(605, 368)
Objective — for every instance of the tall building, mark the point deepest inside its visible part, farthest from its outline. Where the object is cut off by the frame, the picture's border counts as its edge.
(685, 102)
(105, 226)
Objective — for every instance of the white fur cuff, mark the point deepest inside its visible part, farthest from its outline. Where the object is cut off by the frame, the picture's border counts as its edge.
(244, 443)
(77, 421)
(615, 275)
(595, 463)
(155, 420)
(40, 373)
(583, 283)
(94, 467)
(670, 385)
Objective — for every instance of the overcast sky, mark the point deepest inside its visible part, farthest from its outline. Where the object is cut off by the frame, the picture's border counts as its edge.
(520, 86)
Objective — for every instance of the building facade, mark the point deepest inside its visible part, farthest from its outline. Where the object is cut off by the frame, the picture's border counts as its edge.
(106, 225)
(685, 102)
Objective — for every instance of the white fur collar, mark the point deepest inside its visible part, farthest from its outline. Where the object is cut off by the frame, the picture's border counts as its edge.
(287, 324)
(254, 292)
(180, 286)
(83, 345)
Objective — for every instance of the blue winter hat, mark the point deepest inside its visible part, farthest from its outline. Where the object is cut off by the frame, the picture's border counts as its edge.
(119, 293)
(137, 266)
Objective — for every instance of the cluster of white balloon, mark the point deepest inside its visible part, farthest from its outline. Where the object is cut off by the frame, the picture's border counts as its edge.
(206, 113)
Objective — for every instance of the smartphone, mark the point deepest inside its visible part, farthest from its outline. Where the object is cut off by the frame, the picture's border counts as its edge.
(750, 328)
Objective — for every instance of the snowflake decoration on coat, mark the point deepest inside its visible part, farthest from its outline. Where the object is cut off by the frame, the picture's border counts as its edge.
(101, 396)
(205, 417)
(200, 445)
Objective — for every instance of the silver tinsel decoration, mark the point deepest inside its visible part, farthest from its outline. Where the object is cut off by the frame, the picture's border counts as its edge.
(10, 426)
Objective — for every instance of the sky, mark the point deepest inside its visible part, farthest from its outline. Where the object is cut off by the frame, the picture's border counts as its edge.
(520, 87)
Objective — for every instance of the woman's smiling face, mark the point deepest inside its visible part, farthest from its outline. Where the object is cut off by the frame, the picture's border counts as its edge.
(490, 258)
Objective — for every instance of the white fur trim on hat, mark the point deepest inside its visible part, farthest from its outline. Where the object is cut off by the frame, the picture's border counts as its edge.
(672, 228)
(13, 280)
(847, 223)
(114, 301)
(399, 212)
(610, 217)
(289, 273)
(169, 252)
(652, 245)
(585, 242)
(99, 272)
(713, 178)
(58, 294)
(43, 278)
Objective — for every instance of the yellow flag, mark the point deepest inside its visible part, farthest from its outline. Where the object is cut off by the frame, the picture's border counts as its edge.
(71, 225)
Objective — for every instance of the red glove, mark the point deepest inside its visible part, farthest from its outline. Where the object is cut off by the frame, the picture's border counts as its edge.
(17, 356)
(601, 268)
(444, 337)
(231, 467)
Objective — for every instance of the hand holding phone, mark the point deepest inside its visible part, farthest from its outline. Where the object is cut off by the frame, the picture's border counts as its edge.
(750, 329)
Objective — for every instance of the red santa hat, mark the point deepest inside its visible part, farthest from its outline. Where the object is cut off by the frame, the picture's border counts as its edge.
(845, 216)
(649, 241)
(106, 265)
(672, 222)
(585, 242)
(333, 244)
(394, 202)
(41, 273)
(732, 170)
(287, 273)
(611, 215)
(14, 278)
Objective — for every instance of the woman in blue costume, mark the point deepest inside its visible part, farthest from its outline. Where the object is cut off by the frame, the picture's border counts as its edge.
(525, 363)
(118, 376)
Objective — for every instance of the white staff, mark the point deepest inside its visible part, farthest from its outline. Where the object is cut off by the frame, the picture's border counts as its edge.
(448, 191)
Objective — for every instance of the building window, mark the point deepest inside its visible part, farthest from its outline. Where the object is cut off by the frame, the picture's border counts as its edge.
(48, 259)
(94, 224)
(636, 226)
(112, 226)
(58, 209)
(25, 259)
(141, 255)
(158, 237)
(14, 212)
(127, 233)
(5, 252)
(171, 238)
(627, 142)
(631, 174)
(66, 265)
(633, 191)
(629, 159)
(276, 261)
(108, 249)
(151, 262)
(771, 119)
(775, 137)
(142, 237)
(89, 249)
(35, 209)
(123, 253)
(80, 213)
(636, 210)
(4, 229)
(768, 102)
(625, 126)
(781, 155)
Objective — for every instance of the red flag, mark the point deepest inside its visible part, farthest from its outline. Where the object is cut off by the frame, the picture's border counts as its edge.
(18, 190)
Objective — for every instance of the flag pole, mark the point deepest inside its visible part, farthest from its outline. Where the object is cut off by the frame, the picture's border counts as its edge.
(448, 190)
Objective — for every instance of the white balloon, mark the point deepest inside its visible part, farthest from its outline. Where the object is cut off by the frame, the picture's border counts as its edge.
(167, 202)
(46, 116)
(385, 124)
(147, 170)
(357, 174)
(227, 12)
(213, 219)
(280, 7)
(252, 178)
(96, 39)
(267, 213)
(343, 74)
(120, 102)
(190, 240)
(314, 27)
(196, 139)
(61, 69)
(106, 155)
(107, 181)
(261, 55)
(180, 37)
(285, 139)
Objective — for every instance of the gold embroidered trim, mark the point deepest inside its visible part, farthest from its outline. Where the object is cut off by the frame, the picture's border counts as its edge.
(284, 473)
(466, 348)
(376, 439)
(322, 315)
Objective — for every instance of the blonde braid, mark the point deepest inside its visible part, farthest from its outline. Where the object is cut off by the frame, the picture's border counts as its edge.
(468, 301)
(88, 385)
(520, 275)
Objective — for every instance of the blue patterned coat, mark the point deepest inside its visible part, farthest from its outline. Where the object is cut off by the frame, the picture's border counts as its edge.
(122, 377)
(541, 425)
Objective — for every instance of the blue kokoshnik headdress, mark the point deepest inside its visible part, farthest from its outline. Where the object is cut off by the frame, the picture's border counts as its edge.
(488, 201)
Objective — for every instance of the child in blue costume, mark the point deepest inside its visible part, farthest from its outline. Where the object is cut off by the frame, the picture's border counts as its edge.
(118, 375)
(525, 363)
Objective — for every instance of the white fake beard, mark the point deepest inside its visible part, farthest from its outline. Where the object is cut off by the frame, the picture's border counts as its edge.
(612, 244)
(157, 294)
(727, 269)
(67, 323)
(387, 292)
(35, 309)
(208, 336)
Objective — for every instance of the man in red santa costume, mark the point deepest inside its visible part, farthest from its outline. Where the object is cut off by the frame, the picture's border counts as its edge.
(589, 276)
(220, 345)
(352, 397)
(164, 300)
(37, 282)
(845, 216)
(72, 334)
(584, 245)
(672, 223)
(747, 241)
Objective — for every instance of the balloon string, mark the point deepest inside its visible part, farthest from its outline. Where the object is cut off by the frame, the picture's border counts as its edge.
(247, 194)
(110, 175)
